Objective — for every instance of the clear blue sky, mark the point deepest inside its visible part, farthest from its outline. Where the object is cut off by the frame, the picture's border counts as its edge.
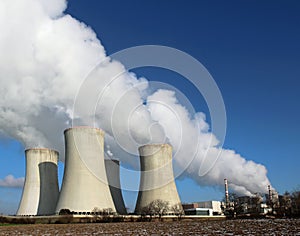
(252, 50)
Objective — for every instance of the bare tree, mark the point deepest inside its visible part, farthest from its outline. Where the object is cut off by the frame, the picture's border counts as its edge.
(285, 204)
(296, 203)
(105, 211)
(97, 211)
(108, 211)
(157, 207)
(147, 210)
(64, 212)
(177, 210)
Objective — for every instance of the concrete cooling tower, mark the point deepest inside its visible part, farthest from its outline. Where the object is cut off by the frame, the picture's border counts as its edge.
(112, 167)
(84, 187)
(40, 192)
(157, 180)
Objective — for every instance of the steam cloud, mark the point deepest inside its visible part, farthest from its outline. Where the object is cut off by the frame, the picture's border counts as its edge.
(46, 56)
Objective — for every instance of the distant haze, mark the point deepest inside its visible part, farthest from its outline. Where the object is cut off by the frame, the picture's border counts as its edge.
(46, 56)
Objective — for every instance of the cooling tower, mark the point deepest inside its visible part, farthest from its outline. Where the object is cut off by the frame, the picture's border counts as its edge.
(40, 192)
(157, 180)
(84, 187)
(113, 176)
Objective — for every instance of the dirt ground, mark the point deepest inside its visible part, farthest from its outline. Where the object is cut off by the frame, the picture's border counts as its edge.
(225, 227)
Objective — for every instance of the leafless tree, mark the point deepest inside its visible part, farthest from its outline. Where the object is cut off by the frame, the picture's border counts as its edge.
(296, 203)
(64, 212)
(178, 210)
(106, 211)
(157, 207)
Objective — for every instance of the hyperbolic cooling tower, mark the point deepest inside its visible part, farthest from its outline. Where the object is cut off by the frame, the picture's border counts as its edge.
(40, 192)
(157, 180)
(113, 175)
(84, 187)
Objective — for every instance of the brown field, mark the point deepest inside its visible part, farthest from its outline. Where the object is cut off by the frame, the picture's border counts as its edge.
(224, 227)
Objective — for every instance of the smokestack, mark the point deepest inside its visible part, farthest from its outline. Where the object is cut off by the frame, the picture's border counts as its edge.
(226, 193)
(84, 187)
(157, 180)
(112, 167)
(40, 190)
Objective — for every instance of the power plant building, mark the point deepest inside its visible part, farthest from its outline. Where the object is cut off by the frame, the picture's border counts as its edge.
(207, 208)
(214, 205)
(157, 179)
(84, 187)
(40, 191)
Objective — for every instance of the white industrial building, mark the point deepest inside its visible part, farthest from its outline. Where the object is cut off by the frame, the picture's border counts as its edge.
(207, 208)
(215, 206)
(199, 211)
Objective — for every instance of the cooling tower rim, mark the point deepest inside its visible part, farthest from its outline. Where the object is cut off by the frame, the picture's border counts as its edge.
(112, 159)
(155, 145)
(41, 149)
(84, 127)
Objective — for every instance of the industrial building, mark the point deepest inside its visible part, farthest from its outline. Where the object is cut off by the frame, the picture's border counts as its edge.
(214, 205)
(157, 179)
(85, 187)
(40, 191)
(199, 211)
(248, 204)
(207, 208)
(91, 184)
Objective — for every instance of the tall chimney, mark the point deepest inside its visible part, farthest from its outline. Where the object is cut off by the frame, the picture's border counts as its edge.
(226, 193)
(40, 191)
(84, 187)
(157, 179)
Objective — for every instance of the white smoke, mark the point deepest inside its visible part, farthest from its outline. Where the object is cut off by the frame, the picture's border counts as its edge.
(196, 148)
(46, 56)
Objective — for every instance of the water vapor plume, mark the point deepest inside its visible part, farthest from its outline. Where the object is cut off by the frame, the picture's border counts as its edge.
(48, 56)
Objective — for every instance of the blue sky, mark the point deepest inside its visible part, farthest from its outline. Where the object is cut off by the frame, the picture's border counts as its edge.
(252, 50)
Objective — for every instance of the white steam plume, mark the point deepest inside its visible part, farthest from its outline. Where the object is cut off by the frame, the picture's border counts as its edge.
(46, 56)
(200, 148)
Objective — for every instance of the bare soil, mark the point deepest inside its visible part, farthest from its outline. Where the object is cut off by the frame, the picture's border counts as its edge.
(224, 227)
